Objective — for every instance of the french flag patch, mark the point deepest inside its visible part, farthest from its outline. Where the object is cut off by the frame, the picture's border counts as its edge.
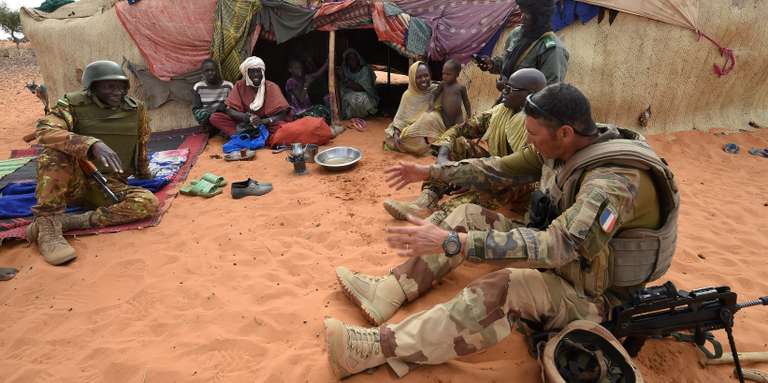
(608, 220)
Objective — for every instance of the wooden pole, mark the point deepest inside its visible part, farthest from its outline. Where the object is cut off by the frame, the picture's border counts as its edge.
(332, 78)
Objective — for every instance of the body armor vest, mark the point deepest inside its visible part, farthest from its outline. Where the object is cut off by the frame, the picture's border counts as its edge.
(639, 255)
(119, 129)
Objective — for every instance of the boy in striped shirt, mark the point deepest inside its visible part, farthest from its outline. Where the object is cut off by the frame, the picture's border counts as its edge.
(209, 94)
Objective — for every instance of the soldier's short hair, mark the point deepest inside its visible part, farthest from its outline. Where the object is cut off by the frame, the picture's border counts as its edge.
(562, 104)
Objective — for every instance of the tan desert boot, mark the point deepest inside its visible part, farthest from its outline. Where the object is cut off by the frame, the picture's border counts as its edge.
(68, 222)
(50, 241)
(421, 207)
(352, 349)
(377, 297)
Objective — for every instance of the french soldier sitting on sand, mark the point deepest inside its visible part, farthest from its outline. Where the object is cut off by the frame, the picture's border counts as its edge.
(103, 124)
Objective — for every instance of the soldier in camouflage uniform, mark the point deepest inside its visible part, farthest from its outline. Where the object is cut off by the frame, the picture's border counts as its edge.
(103, 124)
(614, 230)
(531, 45)
(499, 131)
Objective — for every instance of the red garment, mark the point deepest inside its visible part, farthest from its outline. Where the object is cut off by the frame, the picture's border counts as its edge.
(223, 122)
(307, 130)
(241, 97)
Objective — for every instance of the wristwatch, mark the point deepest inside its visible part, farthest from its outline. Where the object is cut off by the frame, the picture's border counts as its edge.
(452, 244)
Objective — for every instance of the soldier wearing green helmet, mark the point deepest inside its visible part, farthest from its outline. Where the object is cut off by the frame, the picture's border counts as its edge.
(104, 125)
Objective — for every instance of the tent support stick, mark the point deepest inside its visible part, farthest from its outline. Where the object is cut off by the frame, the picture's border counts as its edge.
(332, 78)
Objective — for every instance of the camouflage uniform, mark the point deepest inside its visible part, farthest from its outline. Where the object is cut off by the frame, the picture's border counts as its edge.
(483, 313)
(61, 182)
(547, 54)
(471, 140)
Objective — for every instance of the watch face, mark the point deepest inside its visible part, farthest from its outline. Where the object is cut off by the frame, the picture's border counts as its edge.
(452, 245)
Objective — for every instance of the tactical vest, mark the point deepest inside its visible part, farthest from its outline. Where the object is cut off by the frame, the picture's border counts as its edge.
(119, 129)
(633, 256)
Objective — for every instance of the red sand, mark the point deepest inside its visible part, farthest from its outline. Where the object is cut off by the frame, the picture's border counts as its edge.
(232, 291)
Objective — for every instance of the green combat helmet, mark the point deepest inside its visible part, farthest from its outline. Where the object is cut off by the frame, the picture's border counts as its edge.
(585, 352)
(102, 70)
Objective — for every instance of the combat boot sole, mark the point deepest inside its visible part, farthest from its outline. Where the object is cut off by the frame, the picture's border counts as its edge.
(400, 211)
(365, 306)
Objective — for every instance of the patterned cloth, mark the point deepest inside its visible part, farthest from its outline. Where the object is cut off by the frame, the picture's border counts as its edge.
(231, 35)
(342, 15)
(459, 27)
(418, 36)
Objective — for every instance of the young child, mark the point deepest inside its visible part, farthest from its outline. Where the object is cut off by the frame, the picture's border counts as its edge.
(452, 95)
(209, 94)
(297, 86)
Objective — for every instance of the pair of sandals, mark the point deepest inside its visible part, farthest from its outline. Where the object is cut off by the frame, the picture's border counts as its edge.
(207, 186)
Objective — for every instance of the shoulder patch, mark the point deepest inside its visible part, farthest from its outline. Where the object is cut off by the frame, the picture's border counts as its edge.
(608, 220)
(549, 42)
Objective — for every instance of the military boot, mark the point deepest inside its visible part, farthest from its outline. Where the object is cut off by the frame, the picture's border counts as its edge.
(68, 222)
(421, 207)
(352, 349)
(50, 241)
(377, 297)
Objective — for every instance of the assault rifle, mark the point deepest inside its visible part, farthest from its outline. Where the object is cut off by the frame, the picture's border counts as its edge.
(660, 311)
(91, 171)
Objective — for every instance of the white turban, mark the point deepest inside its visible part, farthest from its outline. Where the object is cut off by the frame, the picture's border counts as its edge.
(254, 62)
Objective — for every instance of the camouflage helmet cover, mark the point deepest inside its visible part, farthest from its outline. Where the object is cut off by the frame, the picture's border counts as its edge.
(102, 70)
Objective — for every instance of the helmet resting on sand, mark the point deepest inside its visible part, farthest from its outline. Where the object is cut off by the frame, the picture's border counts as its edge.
(585, 352)
(102, 70)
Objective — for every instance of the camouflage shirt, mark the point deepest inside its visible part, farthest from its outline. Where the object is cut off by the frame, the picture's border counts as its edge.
(627, 192)
(546, 54)
(55, 131)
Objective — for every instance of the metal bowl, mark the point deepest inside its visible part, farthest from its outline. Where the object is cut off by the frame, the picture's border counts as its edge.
(339, 158)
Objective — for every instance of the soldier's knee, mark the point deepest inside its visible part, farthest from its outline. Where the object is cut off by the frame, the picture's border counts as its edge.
(143, 203)
(459, 219)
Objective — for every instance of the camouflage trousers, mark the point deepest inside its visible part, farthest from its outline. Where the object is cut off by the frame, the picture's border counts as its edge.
(484, 312)
(61, 182)
(516, 198)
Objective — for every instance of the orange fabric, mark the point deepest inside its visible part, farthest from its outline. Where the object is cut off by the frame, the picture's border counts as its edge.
(307, 130)
(242, 95)
(388, 28)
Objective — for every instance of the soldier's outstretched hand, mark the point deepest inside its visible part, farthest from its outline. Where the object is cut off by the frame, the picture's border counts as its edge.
(399, 176)
(422, 238)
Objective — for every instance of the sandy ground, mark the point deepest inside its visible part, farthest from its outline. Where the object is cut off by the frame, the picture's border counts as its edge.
(235, 291)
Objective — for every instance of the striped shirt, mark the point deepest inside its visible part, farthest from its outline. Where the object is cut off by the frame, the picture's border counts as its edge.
(212, 96)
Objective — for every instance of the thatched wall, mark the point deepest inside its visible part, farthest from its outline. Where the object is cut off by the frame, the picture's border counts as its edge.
(65, 46)
(637, 62)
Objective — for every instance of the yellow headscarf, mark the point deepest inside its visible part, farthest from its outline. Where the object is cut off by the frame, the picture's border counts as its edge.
(414, 101)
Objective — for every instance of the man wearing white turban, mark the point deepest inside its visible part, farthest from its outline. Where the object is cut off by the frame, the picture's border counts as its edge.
(253, 101)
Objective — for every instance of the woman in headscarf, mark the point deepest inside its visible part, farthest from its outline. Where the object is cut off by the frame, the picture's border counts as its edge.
(253, 101)
(358, 87)
(413, 104)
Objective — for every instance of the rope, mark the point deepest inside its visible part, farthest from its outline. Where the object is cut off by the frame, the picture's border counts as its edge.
(730, 58)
